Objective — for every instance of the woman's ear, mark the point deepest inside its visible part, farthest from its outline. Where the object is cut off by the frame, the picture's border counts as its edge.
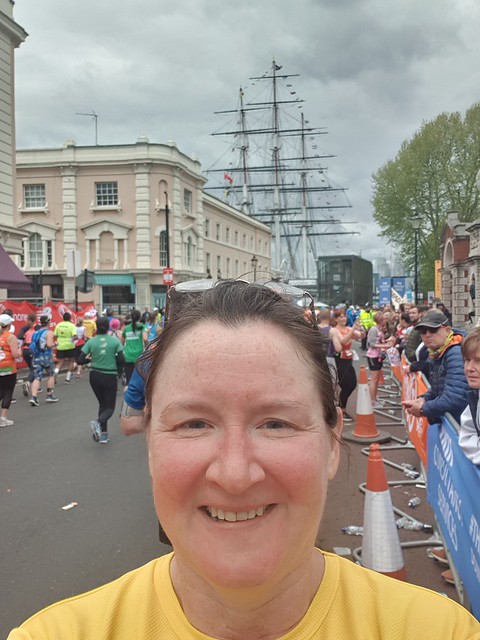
(336, 436)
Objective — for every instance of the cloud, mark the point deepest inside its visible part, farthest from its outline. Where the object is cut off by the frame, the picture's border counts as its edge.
(370, 72)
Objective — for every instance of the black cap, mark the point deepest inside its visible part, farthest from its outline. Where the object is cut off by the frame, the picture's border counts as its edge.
(432, 320)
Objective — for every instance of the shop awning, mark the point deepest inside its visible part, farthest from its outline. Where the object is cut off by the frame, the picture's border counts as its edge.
(107, 279)
(10, 275)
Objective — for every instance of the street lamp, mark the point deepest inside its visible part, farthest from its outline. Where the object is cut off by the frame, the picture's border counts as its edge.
(416, 224)
(254, 262)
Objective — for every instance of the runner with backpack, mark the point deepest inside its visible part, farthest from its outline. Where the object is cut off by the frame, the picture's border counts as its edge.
(25, 338)
(41, 348)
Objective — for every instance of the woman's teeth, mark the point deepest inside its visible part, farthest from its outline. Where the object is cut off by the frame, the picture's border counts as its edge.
(232, 516)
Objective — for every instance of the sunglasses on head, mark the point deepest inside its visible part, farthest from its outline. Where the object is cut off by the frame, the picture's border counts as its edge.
(423, 330)
(297, 296)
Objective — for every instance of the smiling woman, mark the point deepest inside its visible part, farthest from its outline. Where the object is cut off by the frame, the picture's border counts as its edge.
(243, 438)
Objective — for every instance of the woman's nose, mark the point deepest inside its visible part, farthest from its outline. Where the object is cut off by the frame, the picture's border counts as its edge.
(234, 465)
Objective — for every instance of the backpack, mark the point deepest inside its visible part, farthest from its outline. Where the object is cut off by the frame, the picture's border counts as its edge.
(38, 345)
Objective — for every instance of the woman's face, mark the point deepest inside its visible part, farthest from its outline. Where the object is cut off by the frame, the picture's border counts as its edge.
(239, 453)
(342, 319)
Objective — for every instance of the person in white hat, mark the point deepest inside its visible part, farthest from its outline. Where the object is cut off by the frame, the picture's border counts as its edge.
(9, 352)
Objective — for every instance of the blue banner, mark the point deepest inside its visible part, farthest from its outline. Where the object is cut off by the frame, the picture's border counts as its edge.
(384, 291)
(453, 489)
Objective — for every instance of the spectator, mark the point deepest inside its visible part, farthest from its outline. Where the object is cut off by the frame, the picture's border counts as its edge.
(414, 339)
(469, 438)
(342, 338)
(448, 390)
(445, 312)
(377, 344)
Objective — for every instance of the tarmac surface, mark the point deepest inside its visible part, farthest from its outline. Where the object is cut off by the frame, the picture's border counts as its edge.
(48, 460)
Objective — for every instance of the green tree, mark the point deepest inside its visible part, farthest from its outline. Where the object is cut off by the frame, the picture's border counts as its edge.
(433, 173)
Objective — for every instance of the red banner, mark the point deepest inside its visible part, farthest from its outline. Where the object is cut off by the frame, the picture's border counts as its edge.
(54, 311)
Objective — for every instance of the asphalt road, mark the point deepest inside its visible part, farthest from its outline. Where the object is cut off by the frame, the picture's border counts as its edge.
(48, 459)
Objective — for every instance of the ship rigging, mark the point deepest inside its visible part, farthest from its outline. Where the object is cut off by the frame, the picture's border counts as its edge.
(277, 174)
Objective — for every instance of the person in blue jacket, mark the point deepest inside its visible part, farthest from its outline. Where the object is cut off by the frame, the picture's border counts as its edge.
(448, 384)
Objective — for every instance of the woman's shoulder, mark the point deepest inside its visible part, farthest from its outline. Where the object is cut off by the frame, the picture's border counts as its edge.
(386, 602)
(76, 617)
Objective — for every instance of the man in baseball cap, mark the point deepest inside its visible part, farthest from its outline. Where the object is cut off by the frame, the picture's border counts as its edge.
(448, 391)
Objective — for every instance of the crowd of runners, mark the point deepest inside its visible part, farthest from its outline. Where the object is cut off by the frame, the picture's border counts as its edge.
(108, 346)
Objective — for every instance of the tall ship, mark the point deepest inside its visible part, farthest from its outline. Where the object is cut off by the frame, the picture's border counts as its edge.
(274, 170)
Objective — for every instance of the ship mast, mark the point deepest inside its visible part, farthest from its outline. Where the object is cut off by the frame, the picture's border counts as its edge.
(266, 188)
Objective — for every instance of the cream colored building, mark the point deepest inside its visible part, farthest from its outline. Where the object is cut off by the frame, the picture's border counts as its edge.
(106, 206)
(11, 37)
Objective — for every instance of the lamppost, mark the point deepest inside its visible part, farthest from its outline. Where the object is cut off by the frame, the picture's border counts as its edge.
(416, 224)
(254, 262)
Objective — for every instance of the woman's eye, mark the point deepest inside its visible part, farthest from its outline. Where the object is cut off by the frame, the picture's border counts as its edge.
(276, 424)
(194, 425)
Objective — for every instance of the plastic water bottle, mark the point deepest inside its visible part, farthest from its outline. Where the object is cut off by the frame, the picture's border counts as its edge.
(410, 473)
(353, 530)
(414, 502)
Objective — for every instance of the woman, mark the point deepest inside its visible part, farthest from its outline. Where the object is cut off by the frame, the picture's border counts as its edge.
(243, 438)
(132, 338)
(342, 338)
(106, 355)
(376, 352)
(9, 352)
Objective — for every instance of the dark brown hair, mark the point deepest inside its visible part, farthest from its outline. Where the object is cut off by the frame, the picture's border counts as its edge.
(232, 304)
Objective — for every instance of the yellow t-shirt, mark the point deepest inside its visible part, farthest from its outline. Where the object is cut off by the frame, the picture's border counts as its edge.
(352, 603)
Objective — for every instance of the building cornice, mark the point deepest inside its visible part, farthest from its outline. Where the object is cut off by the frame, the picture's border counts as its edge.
(12, 30)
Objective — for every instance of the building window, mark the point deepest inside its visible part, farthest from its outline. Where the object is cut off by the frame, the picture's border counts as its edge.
(187, 200)
(34, 196)
(189, 252)
(35, 252)
(49, 256)
(219, 267)
(217, 234)
(207, 228)
(163, 248)
(208, 261)
(227, 235)
(236, 274)
(244, 240)
(106, 194)
(228, 268)
(236, 238)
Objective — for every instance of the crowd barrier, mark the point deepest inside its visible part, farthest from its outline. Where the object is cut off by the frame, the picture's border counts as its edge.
(453, 486)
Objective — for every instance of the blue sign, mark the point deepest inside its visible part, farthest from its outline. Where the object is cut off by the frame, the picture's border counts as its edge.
(453, 486)
(384, 291)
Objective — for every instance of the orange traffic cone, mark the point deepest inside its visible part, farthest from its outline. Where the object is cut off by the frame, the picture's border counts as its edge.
(381, 549)
(365, 428)
(381, 378)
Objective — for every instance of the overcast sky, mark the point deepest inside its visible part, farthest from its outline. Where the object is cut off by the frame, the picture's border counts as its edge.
(370, 72)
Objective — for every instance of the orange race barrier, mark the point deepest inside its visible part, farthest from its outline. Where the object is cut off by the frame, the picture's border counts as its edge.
(381, 549)
(365, 428)
(412, 387)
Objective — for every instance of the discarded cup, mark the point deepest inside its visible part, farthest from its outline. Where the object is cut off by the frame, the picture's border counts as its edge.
(342, 551)
(353, 530)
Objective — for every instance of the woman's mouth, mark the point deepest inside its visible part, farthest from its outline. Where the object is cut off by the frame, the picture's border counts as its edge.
(236, 516)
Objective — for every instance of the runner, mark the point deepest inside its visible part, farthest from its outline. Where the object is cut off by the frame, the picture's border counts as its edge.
(9, 351)
(66, 334)
(24, 338)
(41, 347)
(133, 343)
(106, 355)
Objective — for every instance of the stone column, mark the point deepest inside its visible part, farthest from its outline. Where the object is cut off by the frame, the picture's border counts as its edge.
(70, 222)
(142, 214)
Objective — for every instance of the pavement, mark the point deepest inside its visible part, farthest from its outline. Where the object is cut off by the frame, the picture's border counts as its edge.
(49, 460)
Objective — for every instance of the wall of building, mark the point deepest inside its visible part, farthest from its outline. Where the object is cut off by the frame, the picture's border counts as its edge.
(124, 237)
